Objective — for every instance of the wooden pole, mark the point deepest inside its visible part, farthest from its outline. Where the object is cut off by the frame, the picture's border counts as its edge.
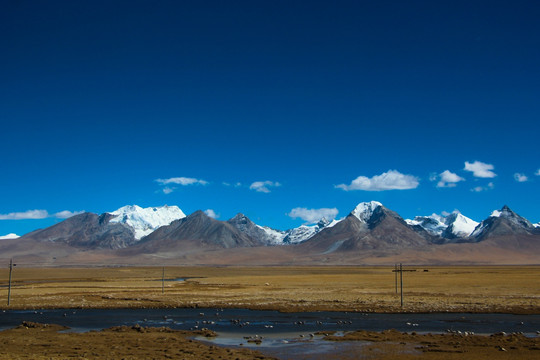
(163, 281)
(9, 286)
(401, 281)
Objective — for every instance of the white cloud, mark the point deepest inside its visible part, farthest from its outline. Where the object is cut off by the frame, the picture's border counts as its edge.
(520, 177)
(38, 214)
(263, 186)
(67, 214)
(483, 188)
(182, 181)
(537, 173)
(29, 214)
(211, 213)
(390, 180)
(238, 184)
(9, 236)
(313, 215)
(480, 169)
(448, 179)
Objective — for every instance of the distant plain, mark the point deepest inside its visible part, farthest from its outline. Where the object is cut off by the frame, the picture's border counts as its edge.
(508, 289)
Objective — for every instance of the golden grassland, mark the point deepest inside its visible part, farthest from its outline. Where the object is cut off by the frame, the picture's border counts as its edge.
(508, 289)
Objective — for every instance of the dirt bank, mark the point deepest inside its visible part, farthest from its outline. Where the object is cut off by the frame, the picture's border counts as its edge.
(390, 344)
(41, 341)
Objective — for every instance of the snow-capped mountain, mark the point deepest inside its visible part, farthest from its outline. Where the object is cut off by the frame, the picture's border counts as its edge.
(144, 221)
(271, 236)
(305, 232)
(262, 234)
(459, 226)
(537, 225)
(86, 230)
(196, 231)
(365, 210)
(451, 226)
(503, 222)
(433, 224)
(368, 227)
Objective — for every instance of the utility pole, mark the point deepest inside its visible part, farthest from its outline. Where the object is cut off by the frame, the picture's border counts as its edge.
(11, 265)
(163, 280)
(400, 270)
(401, 281)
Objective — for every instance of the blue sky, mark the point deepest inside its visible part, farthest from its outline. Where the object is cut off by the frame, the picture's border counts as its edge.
(263, 107)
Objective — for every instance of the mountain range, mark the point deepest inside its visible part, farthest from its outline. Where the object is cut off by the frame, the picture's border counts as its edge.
(371, 232)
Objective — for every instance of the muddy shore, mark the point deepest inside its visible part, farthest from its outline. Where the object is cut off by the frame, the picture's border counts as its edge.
(43, 341)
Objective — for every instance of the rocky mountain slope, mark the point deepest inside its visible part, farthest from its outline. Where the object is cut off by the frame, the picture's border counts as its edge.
(268, 236)
(197, 230)
(370, 226)
(503, 222)
(371, 231)
(86, 230)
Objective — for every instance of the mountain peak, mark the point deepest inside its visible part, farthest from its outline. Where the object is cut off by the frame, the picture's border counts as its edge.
(502, 222)
(241, 222)
(239, 217)
(365, 210)
(504, 212)
(145, 220)
(323, 222)
(449, 226)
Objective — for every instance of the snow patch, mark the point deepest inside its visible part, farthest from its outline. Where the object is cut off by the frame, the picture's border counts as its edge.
(334, 247)
(439, 225)
(145, 221)
(433, 224)
(276, 236)
(365, 210)
(296, 235)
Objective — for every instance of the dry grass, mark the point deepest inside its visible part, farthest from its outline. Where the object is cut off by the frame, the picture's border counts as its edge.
(512, 289)
(37, 341)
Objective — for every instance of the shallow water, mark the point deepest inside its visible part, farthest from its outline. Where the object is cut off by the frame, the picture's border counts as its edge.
(285, 335)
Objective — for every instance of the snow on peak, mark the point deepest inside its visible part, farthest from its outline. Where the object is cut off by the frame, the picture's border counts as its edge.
(274, 237)
(9, 236)
(298, 234)
(433, 224)
(145, 220)
(537, 225)
(445, 225)
(461, 226)
(504, 212)
(365, 210)
(511, 216)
